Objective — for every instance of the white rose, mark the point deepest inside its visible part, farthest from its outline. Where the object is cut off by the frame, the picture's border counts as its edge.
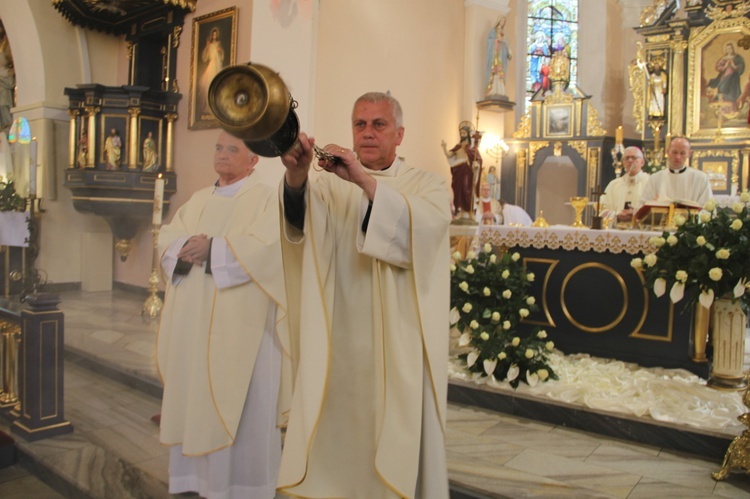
(672, 240)
(679, 220)
(473, 324)
(484, 335)
(457, 255)
(523, 312)
(515, 257)
(486, 291)
(495, 316)
(505, 274)
(530, 300)
(705, 217)
(467, 307)
(541, 334)
(745, 196)
(738, 207)
(471, 255)
(453, 268)
(507, 294)
(543, 374)
(650, 259)
(715, 274)
(530, 277)
(506, 325)
(736, 224)
(487, 247)
(529, 354)
(636, 263)
(550, 345)
(464, 286)
(516, 341)
(681, 276)
(493, 258)
(658, 242)
(710, 205)
(501, 355)
(469, 269)
(700, 240)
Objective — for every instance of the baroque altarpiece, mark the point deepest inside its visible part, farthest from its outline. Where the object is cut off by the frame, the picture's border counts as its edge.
(690, 77)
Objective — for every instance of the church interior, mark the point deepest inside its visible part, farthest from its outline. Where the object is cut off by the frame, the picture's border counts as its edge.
(107, 131)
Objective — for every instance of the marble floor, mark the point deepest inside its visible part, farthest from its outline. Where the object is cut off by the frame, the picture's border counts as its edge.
(112, 391)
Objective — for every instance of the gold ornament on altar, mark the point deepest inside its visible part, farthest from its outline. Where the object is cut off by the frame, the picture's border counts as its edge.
(738, 453)
(579, 203)
(540, 221)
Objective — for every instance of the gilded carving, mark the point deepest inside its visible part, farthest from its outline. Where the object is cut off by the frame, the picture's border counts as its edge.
(176, 32)
(716, 13)
(534, 147)
(579, 146)
(521, 176)
(592, 166)
(637, 77)
(524, 127)
(593, 124)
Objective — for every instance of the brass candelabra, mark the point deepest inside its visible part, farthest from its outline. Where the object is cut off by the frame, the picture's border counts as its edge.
(153, 303)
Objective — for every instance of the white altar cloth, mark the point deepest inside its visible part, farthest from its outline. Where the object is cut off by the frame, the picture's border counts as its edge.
(569, 238)
(14, 228)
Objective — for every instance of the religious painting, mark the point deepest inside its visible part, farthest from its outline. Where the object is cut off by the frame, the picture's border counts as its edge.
(558, 120)
(723, 167)
(213, 48)
(719, 82)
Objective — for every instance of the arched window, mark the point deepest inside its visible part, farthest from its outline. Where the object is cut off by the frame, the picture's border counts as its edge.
(552, 26)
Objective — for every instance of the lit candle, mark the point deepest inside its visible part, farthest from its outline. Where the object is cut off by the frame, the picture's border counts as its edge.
(32, 167)
(667, 141)
(618, 135)
(158, 200)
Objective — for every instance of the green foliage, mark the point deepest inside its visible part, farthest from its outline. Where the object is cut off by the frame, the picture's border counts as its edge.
(488, 300)
(9, 199)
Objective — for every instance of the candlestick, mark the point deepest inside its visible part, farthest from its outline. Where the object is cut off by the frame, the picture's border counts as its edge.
(32, 167)
(158, 200)
(618, 135)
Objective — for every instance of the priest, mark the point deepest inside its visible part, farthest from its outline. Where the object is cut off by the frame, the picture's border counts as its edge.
(624, 193)
(366, 246)
(677, 182)
(222, 342)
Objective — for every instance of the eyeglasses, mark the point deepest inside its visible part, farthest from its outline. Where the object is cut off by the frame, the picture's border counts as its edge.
(632, 157)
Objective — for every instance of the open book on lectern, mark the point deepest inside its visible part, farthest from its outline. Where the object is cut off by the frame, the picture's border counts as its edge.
(679, 204)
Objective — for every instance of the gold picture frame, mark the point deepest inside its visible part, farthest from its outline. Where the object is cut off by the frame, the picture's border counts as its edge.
(213, 48)
(558, 120)
(719, 98)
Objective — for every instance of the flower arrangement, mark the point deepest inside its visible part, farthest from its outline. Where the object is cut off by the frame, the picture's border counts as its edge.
(9, 199)
(488, 300)
(708, 254)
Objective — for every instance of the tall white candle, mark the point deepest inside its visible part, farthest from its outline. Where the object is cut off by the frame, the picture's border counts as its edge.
(158, 200)
(32, 167)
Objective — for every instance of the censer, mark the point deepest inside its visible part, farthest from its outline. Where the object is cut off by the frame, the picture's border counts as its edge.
(252, 102)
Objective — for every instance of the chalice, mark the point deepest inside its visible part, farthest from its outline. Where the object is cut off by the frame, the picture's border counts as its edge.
(579, 203)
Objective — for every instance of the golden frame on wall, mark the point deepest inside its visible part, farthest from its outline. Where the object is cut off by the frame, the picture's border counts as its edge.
(213, 48)
(558, 120)
(719, 80)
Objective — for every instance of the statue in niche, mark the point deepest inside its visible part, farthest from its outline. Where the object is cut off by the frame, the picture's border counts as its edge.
(498, 55)
(658, 84)
(7, 81)
(112, 150)
(150, 163)
(83, 149)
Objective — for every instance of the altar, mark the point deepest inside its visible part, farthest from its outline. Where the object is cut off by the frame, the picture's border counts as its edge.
(591, 300)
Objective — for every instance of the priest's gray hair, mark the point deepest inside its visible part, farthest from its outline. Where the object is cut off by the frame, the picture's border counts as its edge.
(376, 97)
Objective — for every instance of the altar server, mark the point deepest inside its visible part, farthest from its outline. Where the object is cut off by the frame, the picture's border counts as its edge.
(678, 182)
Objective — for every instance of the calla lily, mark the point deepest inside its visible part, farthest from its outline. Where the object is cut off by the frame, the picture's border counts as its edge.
(464, 340)
(513, 372)
(489, 366)
(660, 286)
(706, 298)
(454, 315)
(532, 378)
(471, 358)
(678, 291)
(739, 289)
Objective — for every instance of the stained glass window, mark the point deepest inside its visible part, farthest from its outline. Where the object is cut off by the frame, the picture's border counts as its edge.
(19, 131)
(552, 26)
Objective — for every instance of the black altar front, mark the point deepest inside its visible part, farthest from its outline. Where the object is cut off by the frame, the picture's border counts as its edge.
(591, 300)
